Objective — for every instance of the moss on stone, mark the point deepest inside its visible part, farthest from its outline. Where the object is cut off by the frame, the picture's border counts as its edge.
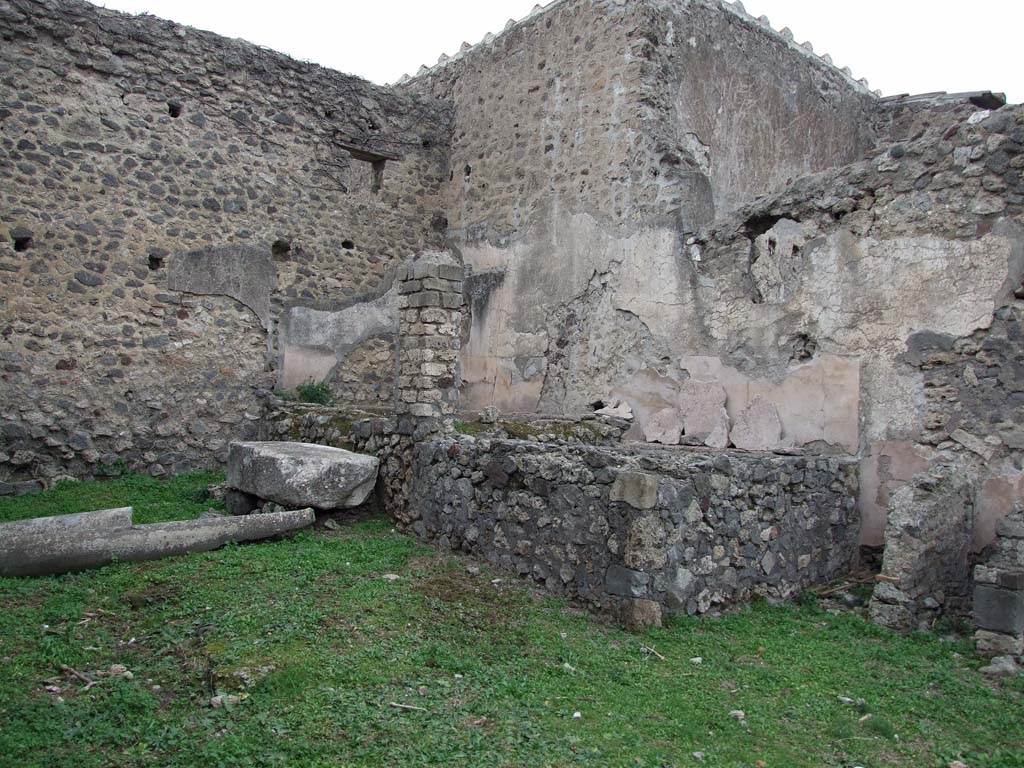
(341, 424)
(565, 430)
(520, 431)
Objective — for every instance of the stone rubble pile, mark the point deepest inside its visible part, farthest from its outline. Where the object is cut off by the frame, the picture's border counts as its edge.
(926, 566)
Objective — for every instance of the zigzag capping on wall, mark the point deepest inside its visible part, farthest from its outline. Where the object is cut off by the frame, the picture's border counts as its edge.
(785, 35)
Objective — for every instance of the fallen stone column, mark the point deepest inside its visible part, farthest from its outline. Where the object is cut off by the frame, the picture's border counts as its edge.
(79, 524)
(77, 546)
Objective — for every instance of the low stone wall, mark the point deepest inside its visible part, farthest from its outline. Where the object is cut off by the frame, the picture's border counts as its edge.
(591, 429)
(344, 426)
(640, 529)
(333, 425)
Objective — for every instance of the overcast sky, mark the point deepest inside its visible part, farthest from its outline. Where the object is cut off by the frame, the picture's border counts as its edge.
(900, 46)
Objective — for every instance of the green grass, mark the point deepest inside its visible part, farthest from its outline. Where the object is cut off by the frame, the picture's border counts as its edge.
(152, 500)
(499, 670)
(316, 392)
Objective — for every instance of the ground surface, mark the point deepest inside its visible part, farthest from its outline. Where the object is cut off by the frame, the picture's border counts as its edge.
(317, 645)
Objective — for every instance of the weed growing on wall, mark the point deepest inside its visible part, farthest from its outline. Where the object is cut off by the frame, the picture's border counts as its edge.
(318, 393)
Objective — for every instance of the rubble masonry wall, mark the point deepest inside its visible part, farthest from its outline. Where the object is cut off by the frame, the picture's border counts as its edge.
(682, 529)
(183, 225)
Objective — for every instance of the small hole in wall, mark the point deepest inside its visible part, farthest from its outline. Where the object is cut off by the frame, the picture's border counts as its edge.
(427, 143)
(280, 249)
(174, 108)
(802, 348)
(597, 405)
(758, 225)
(22, 243)
(348, 245)
(468, 170)
(155, 262)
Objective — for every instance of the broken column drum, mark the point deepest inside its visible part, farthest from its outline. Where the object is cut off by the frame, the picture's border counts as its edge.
(68, 543)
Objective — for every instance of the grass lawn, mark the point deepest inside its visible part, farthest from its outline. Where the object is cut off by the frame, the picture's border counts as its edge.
(316, 644)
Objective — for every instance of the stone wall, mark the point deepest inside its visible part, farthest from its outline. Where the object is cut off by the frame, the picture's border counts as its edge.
(974, 401)
(187, 219)
(999, 591)
(335, 425)
(926, 564)
(811, 298)
(743, 110)
(635, 529)
(802, 302)
(550, 115)
(343, 426)
(835, 274)
(590, 140)
(549, 143)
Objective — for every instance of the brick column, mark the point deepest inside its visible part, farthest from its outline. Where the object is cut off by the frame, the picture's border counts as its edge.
(429, 330)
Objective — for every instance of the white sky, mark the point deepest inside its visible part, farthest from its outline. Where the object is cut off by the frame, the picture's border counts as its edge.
(900, 46)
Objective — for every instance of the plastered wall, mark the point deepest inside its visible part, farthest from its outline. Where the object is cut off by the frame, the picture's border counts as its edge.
(784, 237)
(591, 140)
